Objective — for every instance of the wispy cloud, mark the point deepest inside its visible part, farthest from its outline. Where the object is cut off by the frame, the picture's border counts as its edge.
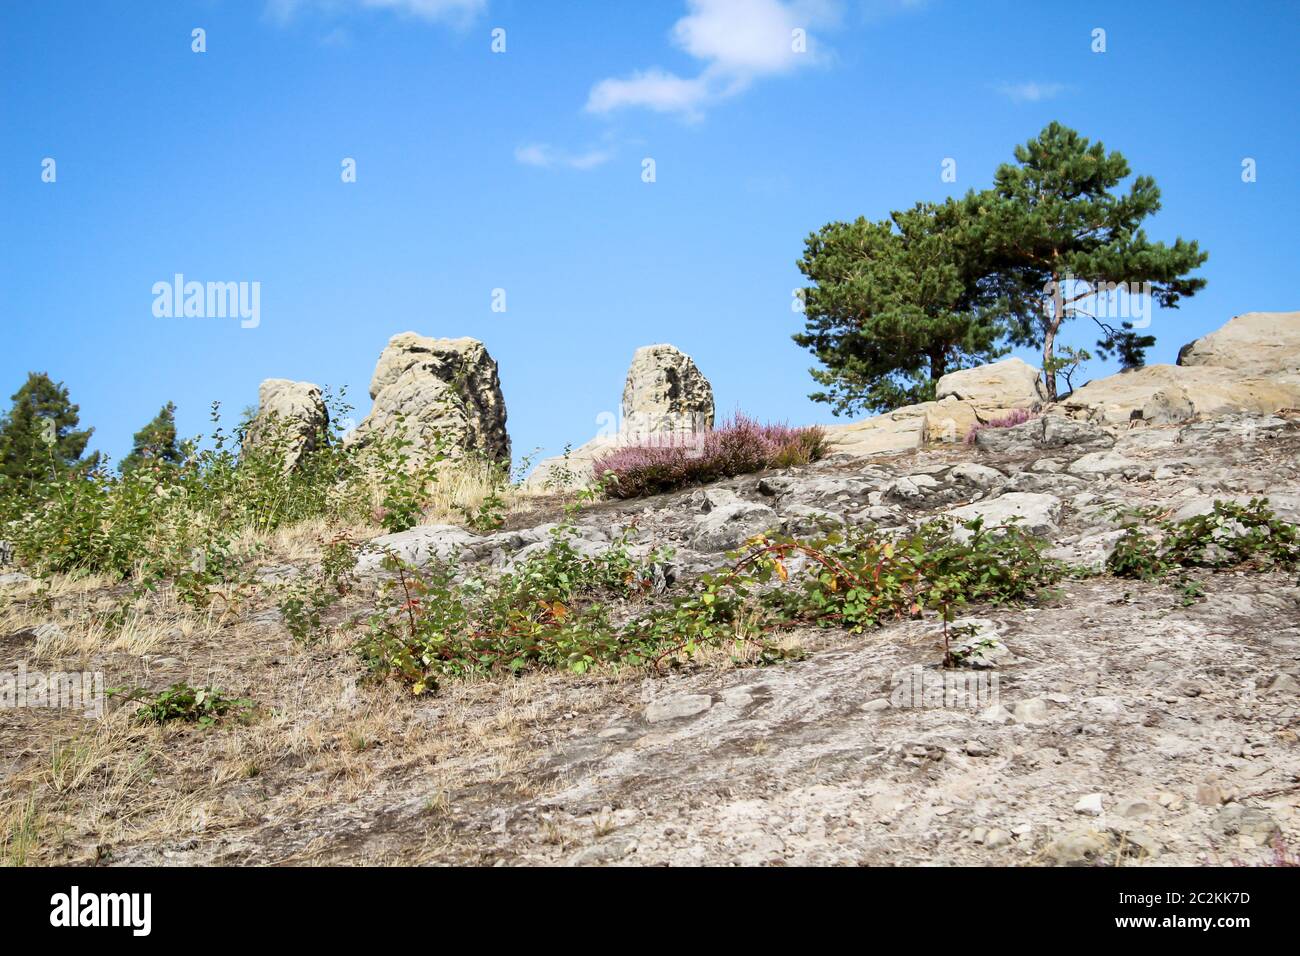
(1030, 92)
(545, 156)
(456, 12)
(653, 89)
(737, 41)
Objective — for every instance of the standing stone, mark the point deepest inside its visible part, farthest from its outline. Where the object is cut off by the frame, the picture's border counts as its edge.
(291, 418)
(426, 389)
(665, 392)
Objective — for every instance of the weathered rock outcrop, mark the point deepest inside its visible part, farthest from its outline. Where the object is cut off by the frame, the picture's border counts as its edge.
(1175, 393)
(966, 398)
(1047, 431)
(1065, 480)
(438, 389)
(1251, 365)
(665, 394)
(910, 427)
(1256, 343)
(291, 418)
(903, 429)
(1000, 386)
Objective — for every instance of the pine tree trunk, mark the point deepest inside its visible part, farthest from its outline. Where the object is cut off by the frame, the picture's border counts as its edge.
(1051, 322)
(1049, 378)
(938, 365)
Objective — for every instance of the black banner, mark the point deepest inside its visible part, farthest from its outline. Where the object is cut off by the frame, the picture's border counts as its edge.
(303, 905)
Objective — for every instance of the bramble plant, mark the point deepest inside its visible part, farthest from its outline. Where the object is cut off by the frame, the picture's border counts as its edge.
(204, 706)
(406, 481)
(305, 599)
(550, 610)
(1231, 535)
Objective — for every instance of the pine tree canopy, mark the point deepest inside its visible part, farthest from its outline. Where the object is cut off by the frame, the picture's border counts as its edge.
(896, 304)
(155, 443)
(39, 437)
(1056, 231)
(893, 305)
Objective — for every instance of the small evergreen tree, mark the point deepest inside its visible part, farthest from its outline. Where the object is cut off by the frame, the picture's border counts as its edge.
(896, 304)
(39, 438)
(1058, 236)
(155, 443)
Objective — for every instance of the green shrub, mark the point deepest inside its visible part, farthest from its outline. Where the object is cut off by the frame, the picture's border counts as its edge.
(177, 521)
(1231, 535)
(305, 599)
(548, 611)
(204, 706)
(551, 610)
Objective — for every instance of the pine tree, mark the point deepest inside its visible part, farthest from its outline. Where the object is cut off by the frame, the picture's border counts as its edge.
(896, 304)
(155, 443)
(39, 438)
(1057, 236)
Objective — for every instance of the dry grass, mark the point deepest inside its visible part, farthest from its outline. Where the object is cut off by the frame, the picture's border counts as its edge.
(326, 749)
(20, 826)
(137, 635)
(287, 787)
(78, 625)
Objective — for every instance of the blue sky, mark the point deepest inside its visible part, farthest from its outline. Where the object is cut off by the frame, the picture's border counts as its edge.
(522, 171)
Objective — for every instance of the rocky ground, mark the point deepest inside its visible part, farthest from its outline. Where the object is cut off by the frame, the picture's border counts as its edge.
(1124, 723)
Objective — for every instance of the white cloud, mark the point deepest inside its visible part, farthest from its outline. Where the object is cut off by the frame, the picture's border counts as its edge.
(737, 41)
(545, 156)
(1030, 92)
(740, 37)
(458, 12)
(652, 89)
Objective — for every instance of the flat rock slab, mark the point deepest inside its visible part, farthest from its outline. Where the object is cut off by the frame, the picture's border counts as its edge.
(674, 708)
(1036, 513)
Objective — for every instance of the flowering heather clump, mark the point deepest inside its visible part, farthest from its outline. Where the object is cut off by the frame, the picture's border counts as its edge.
(737, 447)
(1017, 416)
